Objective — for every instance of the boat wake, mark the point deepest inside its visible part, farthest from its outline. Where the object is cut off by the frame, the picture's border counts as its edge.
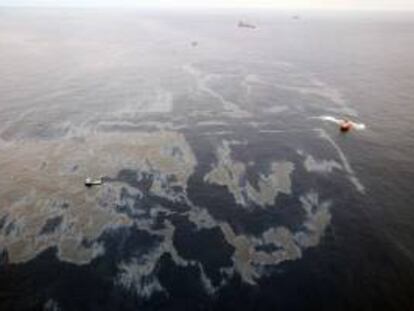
(357, 126)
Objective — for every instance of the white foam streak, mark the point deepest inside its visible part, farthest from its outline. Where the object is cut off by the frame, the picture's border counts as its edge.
(355, 125)
(345, 163)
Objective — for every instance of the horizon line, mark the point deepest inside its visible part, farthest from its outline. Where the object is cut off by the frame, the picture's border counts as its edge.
(212, 7)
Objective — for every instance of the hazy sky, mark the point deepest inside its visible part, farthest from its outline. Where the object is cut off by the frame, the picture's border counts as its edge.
(324, 4)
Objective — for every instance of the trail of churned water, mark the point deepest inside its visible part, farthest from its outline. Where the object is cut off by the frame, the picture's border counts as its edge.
(355, 125)
(352, 176)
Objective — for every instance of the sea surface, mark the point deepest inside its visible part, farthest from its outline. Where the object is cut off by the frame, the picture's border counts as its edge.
(227, 184)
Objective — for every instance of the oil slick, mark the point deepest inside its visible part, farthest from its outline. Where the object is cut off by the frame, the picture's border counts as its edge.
(149, 163)
(84, 215)
(52, 218)
(249, 259)
(232, 174)
(322, 166)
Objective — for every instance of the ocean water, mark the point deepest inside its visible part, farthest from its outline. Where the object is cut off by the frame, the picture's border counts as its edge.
(227, 183)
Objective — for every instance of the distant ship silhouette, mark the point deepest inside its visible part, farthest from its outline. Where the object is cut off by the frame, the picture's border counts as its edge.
(242, 24)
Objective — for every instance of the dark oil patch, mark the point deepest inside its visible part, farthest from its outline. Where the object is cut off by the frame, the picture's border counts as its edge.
(10, 227)
(3, 221)
(51, 225)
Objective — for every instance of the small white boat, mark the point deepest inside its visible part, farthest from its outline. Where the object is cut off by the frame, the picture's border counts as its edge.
(93, 182)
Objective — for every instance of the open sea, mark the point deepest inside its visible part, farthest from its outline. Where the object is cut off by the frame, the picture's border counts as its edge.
(226, 183)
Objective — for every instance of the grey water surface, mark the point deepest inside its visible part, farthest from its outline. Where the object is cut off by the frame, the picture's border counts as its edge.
(224, 185)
